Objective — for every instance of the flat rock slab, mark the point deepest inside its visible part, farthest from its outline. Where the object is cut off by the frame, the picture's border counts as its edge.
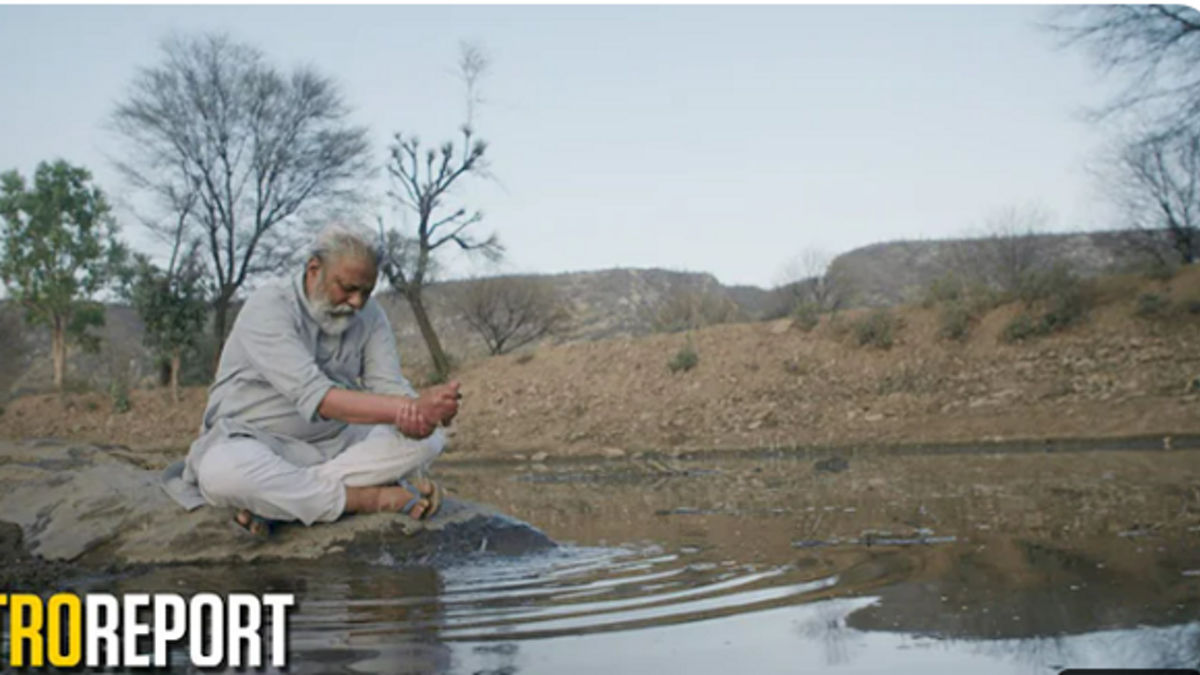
(96, 504)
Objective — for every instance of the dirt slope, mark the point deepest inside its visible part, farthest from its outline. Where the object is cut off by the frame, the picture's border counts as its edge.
(772, 384)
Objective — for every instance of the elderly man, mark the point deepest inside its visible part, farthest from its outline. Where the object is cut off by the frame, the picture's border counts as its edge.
(309, 417)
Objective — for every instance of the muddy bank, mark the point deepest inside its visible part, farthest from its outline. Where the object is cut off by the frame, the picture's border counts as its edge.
(751, 504)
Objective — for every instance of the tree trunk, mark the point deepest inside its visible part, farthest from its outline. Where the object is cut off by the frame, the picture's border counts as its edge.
(58, 351)
(176, 358)
(220, 316)
(441, 364)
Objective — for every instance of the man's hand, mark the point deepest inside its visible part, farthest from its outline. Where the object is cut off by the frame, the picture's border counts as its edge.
(440, 403)
(411, 421)
(419, 417)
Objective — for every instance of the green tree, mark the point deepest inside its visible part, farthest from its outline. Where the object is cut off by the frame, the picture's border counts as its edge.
(60, 249)
(172, 304)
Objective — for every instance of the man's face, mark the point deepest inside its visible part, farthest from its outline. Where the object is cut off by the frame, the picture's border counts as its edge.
(340, 288)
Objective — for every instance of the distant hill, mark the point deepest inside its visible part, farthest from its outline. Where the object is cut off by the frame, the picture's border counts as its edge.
(895, 272)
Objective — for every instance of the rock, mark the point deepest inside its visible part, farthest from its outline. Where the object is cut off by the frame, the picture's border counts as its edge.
(873, 417)
(613, 453)
(539, 456)
(89, 504)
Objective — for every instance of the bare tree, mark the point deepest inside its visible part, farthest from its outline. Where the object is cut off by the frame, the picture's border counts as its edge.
(423, 180)
(251, 148)
(1008, 250)
(1157, 49)
(810, 279)
(511, 312)
(685, 309)
(1156, 182)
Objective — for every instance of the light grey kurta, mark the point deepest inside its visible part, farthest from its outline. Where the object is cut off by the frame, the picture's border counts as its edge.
(275, 369)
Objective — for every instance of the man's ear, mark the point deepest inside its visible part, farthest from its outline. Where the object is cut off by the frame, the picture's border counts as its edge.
(313, 265)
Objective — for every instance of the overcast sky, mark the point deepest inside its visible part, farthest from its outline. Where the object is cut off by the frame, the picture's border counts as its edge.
(704, 138)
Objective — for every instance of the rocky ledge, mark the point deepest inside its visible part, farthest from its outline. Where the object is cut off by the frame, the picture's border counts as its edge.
(99, 506)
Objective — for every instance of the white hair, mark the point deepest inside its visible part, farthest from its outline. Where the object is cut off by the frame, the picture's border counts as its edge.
(340, 239)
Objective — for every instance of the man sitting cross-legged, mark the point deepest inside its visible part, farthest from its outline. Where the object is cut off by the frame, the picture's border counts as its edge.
(309, 417)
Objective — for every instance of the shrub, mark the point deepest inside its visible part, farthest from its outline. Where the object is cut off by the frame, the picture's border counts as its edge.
(1040, 285)
(1062, 298)
(979, 299)
(685, 359)
(1193, 306)
(1151, 305)
(955, 321)
(876, 329)
(807, 315)
(1066, 308)
(689, 309)
(961, 303)
(946, 288)
(1022, 327)
(118, 391)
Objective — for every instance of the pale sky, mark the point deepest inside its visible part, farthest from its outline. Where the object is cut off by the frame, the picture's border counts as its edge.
(724, 139)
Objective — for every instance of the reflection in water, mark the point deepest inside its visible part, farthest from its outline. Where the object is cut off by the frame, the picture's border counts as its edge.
(590, 609)
(728, 589)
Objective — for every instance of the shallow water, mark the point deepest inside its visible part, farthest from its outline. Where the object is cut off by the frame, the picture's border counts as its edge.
(770, 566)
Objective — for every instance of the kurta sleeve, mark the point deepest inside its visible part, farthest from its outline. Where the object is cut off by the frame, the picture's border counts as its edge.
(275, 349)
(381, 361)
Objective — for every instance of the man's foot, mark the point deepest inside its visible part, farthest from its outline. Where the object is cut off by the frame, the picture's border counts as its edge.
(429, 490)
(254, 524)
(392, 499)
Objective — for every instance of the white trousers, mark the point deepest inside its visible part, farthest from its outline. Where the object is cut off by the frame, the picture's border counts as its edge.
(244, 473)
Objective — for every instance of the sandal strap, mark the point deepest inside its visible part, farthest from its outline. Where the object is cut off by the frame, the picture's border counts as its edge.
(417, 497)
(408, 505)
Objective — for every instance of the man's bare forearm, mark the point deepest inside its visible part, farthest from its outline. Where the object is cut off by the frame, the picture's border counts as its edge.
(360, 407)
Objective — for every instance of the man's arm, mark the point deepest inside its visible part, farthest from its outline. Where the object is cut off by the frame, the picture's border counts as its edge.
(381, 359)
(274, 348)
(415, 417)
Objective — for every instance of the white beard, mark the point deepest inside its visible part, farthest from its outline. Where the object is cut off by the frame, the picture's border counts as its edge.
(333, 320)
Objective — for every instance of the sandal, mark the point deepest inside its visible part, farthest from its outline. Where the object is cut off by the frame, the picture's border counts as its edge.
(434, 495)
(417, 498)
(254, 524)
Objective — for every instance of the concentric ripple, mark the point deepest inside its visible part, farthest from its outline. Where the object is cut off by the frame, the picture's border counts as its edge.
(566, 591)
